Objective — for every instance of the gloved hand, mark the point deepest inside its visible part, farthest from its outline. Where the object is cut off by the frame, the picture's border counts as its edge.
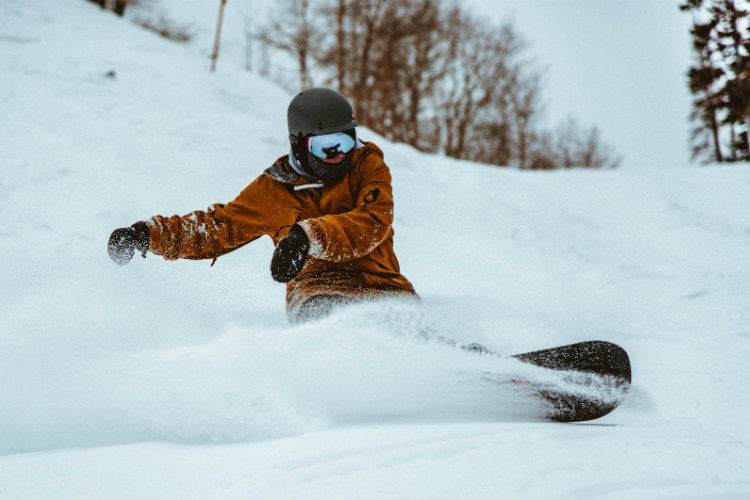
(125, 241)
(290, 255)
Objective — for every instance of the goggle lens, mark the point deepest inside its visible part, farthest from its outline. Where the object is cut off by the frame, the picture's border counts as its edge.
(330, 145)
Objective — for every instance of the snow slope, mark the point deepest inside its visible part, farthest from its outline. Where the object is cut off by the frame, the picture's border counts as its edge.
(176, 379)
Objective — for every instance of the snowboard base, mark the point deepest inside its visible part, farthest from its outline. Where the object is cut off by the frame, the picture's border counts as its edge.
(580, 382)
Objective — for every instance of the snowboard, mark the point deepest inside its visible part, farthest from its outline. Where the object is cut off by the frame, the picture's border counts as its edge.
(579, 382)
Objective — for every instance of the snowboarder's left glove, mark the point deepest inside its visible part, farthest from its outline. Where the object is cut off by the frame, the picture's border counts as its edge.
(290, 255)
(125, 241)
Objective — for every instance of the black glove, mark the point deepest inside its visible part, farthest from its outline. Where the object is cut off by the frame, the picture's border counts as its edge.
(125, 241)
(290, 255)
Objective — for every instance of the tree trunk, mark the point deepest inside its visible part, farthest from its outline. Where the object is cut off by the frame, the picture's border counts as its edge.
(215, 54)
(340, 45)
(413, 118)
(119, 7)
(715, 134)
(363, 73)
(302, 61)
(522, 146)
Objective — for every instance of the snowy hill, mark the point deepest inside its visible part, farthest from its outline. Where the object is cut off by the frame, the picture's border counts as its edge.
(177, 379)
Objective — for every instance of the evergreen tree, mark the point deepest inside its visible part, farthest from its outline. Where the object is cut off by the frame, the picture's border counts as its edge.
(720, 79)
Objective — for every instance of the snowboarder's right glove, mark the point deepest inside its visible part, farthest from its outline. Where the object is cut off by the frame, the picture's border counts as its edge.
(125, 241)
(290, 255)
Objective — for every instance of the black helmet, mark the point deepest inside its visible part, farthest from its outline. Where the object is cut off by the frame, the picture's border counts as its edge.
(319, 111)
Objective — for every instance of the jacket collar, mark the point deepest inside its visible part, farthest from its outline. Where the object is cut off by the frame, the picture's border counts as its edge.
(281, 171)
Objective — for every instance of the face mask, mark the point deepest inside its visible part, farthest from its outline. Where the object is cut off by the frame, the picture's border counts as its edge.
(329, 171)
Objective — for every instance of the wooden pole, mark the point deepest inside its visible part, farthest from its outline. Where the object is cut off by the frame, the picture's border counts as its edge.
(215, 55)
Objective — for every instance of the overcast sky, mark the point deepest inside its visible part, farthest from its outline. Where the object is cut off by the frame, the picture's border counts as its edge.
(617, 64)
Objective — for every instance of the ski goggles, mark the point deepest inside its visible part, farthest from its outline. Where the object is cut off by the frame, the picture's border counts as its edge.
(330, 145)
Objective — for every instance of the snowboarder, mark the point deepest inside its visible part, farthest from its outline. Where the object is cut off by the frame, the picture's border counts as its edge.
(327, 206)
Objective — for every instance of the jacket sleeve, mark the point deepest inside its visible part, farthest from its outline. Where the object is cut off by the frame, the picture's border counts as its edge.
(206, 234)
(354, 234)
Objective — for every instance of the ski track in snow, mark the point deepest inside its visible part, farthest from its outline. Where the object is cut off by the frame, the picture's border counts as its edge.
(176, 379)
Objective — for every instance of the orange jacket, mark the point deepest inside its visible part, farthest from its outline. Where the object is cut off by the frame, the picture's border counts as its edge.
(349, 224)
